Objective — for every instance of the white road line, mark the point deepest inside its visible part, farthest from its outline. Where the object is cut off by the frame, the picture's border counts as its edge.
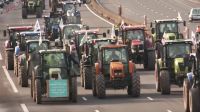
(24, 108)
(10, 80)
(98, 16)
(151, 99)
(1, 57)
(169, 110)
(84, 98)
(96, 111)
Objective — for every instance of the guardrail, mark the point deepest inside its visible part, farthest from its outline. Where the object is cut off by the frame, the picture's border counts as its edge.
(109, 15)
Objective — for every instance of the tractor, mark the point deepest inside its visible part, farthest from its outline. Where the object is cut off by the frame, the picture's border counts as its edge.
(84, 47)
(139, 44)
(32, 7)
(114, 70)
(10, 44)
(28, 43)
(53, 76)
(173, 64)
(191, 86)
(51, 28)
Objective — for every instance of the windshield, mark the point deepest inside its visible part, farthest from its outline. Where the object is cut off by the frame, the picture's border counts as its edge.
(114, 54)
(135, 35)
(54, 66)
(178, 50)
(90, 36)
(68, 30)
(69, 7)
(100, 43)
(170, 27)
(34, 45)
(196, 12)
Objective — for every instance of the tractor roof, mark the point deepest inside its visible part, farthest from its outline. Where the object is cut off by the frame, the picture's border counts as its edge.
(20, 28)
(131, 27)
(88, 31)
(189, 41)
(49, 51)
(167, 20)
(30, 33)
(113, 46)
(32, 41)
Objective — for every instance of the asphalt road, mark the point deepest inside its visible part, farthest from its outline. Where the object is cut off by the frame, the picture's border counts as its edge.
(17, 99)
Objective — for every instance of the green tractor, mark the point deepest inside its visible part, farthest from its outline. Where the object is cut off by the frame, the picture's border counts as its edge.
(23, 60)
(9, 45)
(32, 7)
(114, 70)
(172, 66)
(53, 76)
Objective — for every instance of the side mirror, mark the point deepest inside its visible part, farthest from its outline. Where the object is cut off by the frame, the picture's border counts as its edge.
(184, 23)
(116, 32)
(4, 33)
(152, 30)
(151, 25)
(104, 34)
(108, 31)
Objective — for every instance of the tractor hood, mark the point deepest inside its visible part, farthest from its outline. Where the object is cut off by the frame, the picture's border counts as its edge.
(116, 70)
(179, 66)
(169, 36)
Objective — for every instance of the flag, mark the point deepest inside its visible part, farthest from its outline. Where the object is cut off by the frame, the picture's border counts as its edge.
(193, 37)
(84, 39)
(37, 26)
(61, 23)
(40, 39)
(179, 17)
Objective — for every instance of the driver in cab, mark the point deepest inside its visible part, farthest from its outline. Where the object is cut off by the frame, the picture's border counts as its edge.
(113, 56)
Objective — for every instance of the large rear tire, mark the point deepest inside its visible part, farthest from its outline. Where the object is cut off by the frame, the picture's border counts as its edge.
(157, 76)
(87, 75)
(38, 12)
(165, 82)
(22, 78)
(9, 61)
(151, 60)
(74, 89)
(194, 101)
(100, 86)
(186, 88)
(38, 91)
(24, 13)
(134, 86)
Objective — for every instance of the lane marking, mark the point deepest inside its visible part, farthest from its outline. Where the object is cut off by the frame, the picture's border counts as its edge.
(96, 110)
(10, 80)
(98, 16)
(151, 99)
(1, 57)
(169, 110)
(24, 108)
(84, 98)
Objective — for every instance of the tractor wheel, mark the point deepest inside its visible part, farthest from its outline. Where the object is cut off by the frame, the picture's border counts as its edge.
(33, 86)
(157, 76)
(186, 88)
(31, 89)
(165, 82)
(9, 60)
(100, 86)
(194, 101)
(23, 78)
(16, 66)
(38, 91)
(38, 12)
(87, 75)
(24, 13)
(134, 87)
(81, 73)
(74, 89)
(151, 60)
(94, 91)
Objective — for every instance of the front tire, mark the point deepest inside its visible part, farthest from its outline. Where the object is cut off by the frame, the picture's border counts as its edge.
(194, 100)
(134, 86)
(100, 86)
(87, 75)
(74, 89)
(22, 78)
(38, 91)
(186, 87)
(165, 82)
